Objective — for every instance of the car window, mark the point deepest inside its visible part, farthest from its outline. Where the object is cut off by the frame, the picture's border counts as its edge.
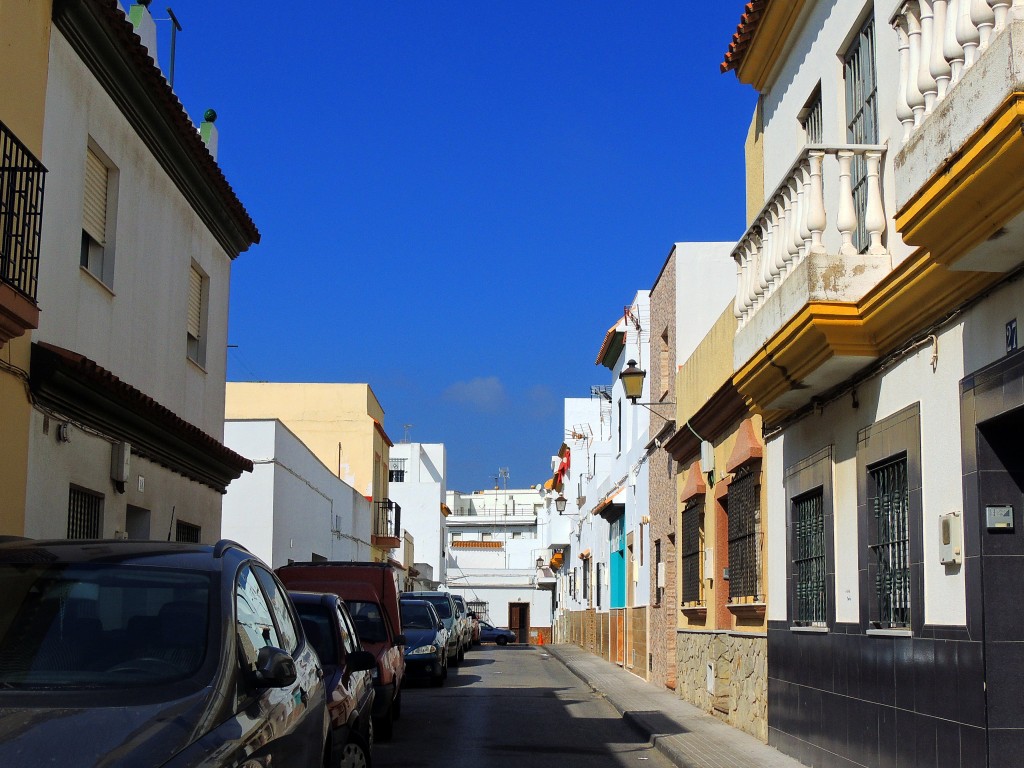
(105, 625)
(316, 623)
(369, 621)
(281, 607)
(441, 603)
(348, 635)
(255, 623)
(417, 617)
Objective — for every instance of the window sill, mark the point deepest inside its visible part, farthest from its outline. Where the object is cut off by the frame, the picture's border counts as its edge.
(97, 280)
(889, 633)
(695, 611)
(810, 630)
(197, 365)
(747, 610)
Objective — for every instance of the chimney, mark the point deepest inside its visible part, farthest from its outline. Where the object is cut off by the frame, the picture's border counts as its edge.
(208, 131)
(145, 26)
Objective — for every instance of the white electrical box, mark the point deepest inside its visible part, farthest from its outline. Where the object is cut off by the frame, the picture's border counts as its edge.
(661, 576)
(951, 539)
(707, 457)
(120, 461)
(709, 563)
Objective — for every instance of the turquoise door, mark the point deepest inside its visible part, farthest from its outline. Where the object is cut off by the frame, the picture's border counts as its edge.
(617, 564)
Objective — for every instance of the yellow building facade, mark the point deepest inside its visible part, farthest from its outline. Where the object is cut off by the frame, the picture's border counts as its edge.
(24, 46)
(343, 425)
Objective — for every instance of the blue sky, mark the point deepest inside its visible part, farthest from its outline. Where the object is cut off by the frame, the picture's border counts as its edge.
(457, 198)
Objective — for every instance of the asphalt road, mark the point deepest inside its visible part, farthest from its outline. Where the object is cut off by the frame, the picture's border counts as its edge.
(511, 707)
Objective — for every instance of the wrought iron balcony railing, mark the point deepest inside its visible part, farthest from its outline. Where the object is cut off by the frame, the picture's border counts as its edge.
(387, 519)
(21, 214)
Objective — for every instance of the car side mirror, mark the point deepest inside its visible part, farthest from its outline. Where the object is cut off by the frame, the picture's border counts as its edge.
(400, 640)
(359, 661)
(440, 625)
(274, 668)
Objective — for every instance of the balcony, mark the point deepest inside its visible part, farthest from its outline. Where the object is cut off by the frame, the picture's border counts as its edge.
(387, 525)
(21, 213)
(961, 104)
(814, 251)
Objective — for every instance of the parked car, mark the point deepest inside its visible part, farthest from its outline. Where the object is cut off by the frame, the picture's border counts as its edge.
(449, 613)
(329, 629)
(370, 590)
(465, 622)
(129, 653)
(426, 638)
(490, 633)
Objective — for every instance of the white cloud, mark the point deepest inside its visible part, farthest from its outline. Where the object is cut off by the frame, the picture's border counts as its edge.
(485, 394)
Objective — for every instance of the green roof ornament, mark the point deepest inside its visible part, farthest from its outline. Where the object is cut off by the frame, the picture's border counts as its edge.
(210, 116)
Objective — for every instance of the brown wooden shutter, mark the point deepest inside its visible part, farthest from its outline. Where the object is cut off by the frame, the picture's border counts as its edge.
(195, 302)
(94, 209)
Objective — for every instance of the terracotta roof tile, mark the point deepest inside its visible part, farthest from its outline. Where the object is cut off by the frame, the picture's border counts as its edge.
(752, 13)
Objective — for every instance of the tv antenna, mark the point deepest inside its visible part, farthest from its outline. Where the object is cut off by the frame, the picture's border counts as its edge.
(407, 428)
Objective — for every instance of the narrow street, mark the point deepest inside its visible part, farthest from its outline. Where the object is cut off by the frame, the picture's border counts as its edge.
(511, 706)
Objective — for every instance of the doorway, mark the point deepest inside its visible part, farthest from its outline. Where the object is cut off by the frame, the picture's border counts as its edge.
(519, 621)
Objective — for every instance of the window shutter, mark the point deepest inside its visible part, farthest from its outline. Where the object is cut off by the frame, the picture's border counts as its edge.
(94, 209)
(195, 302)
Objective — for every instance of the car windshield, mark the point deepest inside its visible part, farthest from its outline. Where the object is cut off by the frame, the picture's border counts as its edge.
(100, 625)
(440, 603)
(416, 616)
(369, 621)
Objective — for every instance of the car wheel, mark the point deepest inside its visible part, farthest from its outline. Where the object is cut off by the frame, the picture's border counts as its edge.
(461, 654)
(438, 680)
(354, 755)
(502, 641)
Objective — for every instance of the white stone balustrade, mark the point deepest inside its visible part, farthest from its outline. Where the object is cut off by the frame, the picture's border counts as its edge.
(792, 225)
(939, 40)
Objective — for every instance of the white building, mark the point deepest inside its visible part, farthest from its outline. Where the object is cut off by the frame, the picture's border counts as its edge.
(128, 362)
(292, 507)
(604, 584)
(417, 483)
(493, 551)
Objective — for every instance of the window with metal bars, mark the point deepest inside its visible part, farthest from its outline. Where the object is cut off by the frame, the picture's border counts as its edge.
(888, 542)
(586, 580)
(187, 532)
(692, 552)
(85, 513)
(597, 585)
(396, 470)
(659, 574)
(744, 511)
(862, 118)
(21, 214)
(808, 547)
(811, 121)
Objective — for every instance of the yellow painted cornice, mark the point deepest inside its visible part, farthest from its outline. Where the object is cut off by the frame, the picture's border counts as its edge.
(974, 193)
(915, 295)
(769, 42)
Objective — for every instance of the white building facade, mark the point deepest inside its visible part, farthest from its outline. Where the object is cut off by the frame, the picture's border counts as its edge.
(496, 559)
(417, 482)
(128, 362)
(291, 508)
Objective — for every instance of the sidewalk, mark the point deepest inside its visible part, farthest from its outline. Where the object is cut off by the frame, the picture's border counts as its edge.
(684, 734)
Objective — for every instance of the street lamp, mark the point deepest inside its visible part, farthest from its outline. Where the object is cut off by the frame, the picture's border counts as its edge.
(540, 562)
(633, 381)
(560, 503)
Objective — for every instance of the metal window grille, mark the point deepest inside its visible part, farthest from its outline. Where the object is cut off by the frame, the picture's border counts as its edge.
(387, 520)
(813, 123)
(597, 586)
(744, 550)
(21, 214)
(85, 514)
(889, 539)
(187, 532)
(809, 558)
(691, 553)
(480, 608)
(659, 589)
(396, 470)
(862, 117)
(586, 580)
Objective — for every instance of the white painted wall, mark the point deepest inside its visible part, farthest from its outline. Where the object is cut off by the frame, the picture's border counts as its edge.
(292, 506)
(705, 285)
(420, 496)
